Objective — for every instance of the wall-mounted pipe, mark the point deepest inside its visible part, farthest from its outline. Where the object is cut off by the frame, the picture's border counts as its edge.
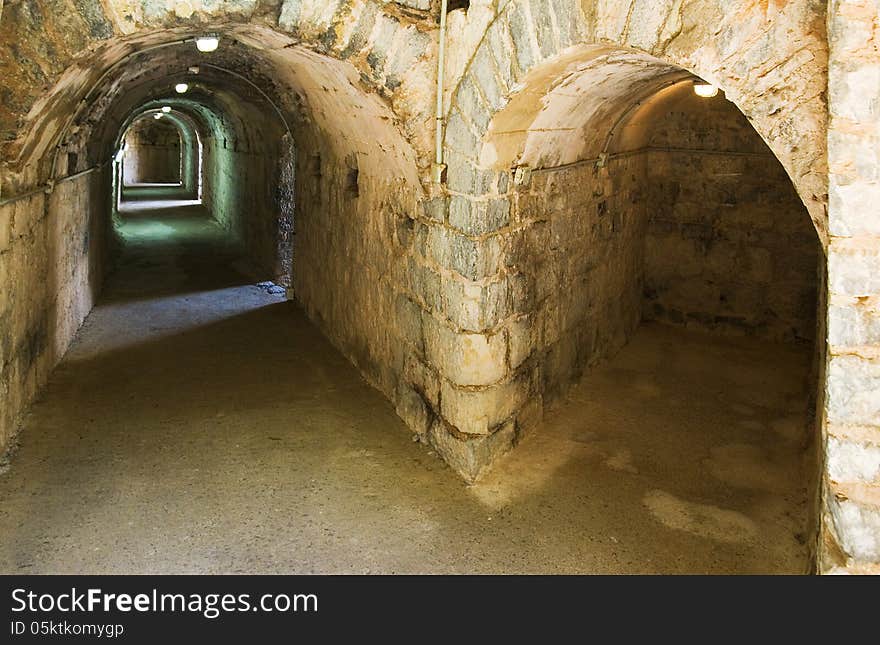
(49, 186)
(438, 167)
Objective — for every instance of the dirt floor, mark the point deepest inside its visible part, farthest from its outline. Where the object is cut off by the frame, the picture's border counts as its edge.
(202, 425)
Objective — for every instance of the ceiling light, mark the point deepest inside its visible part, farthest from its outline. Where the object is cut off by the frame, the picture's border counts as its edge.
(158, 115)
(705, 90)
(181, 88)
(207, 43)
(166, 109)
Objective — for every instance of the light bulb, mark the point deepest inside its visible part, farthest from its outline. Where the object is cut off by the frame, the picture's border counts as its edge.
(207, 43)
(705, 90)
(180, 88)
(158, 115)
(166, 109)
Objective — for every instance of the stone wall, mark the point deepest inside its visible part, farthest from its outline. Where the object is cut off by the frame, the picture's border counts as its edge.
(239, 194)
(580, 249)
(51, 265)
(729, 246)
(153, 153)
(545, 84)
(438, 291)
(850, 537)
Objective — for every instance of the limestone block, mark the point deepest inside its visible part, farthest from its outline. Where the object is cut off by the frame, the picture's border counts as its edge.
(521, 340)
(413, 409)
(479, 412)
(472, 106)
(409, 322)
(459, 135)
(853, 461)
(611, 18)
(853, 209)
(857, 528)
(854, 322)
(436, 208)
(521, 31)
(465, 177)
(476, 218)
(853, 270)
(465, 358)
(475, 306)
(570, 24)
(853, 390)
(470, 456)
(423, 378)
(472, 259)
(545, 29)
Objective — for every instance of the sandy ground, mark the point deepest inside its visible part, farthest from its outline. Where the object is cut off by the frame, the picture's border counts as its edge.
(199, 424)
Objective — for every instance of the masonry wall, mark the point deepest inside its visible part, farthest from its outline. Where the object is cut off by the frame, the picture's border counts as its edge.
(850, 504)
(51, 258)
(153, 154)
(353, 235)
(730, 247)
(582, 252)
(240, 193)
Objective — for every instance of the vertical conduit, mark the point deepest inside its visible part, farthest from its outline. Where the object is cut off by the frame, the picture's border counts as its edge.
(439, 167)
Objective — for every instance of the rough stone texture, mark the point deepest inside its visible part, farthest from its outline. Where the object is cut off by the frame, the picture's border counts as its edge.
(851, 495)
(399, 273)
(268, 98)
(769, 58)
(153, 152)
(580, 252)
(729, 246)
(52, 254)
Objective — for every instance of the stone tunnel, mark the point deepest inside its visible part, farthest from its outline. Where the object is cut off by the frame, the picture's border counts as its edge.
(363, 274)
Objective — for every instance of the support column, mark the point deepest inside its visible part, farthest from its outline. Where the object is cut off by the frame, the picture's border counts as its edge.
(850, 531)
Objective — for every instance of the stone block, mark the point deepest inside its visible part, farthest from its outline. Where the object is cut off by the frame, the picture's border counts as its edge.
(413, 409)
(521, 33)
(472, 259)
(853, 270)
(470, 456)
(852, 209)
(436, 208)
(423, 379)
(475, 306)
(853, 390)
(480, 412)
(545, 30)
(854, 322)
(853, 461)
(478, 217)
(409, 321)
(471, 104)
(521, 340)
(857, 528)
(483, 74)
(465, 358)
(463, 176)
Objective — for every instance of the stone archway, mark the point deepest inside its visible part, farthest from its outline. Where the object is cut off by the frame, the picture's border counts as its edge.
(338, 90)
(530, 50)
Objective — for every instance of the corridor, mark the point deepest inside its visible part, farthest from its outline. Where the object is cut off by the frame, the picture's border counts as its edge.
(201, 424)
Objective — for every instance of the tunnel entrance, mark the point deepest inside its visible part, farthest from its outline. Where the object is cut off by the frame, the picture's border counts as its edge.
(152, 152)
(666, 278)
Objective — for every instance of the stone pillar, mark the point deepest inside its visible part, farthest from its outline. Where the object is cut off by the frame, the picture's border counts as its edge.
(850, 532)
